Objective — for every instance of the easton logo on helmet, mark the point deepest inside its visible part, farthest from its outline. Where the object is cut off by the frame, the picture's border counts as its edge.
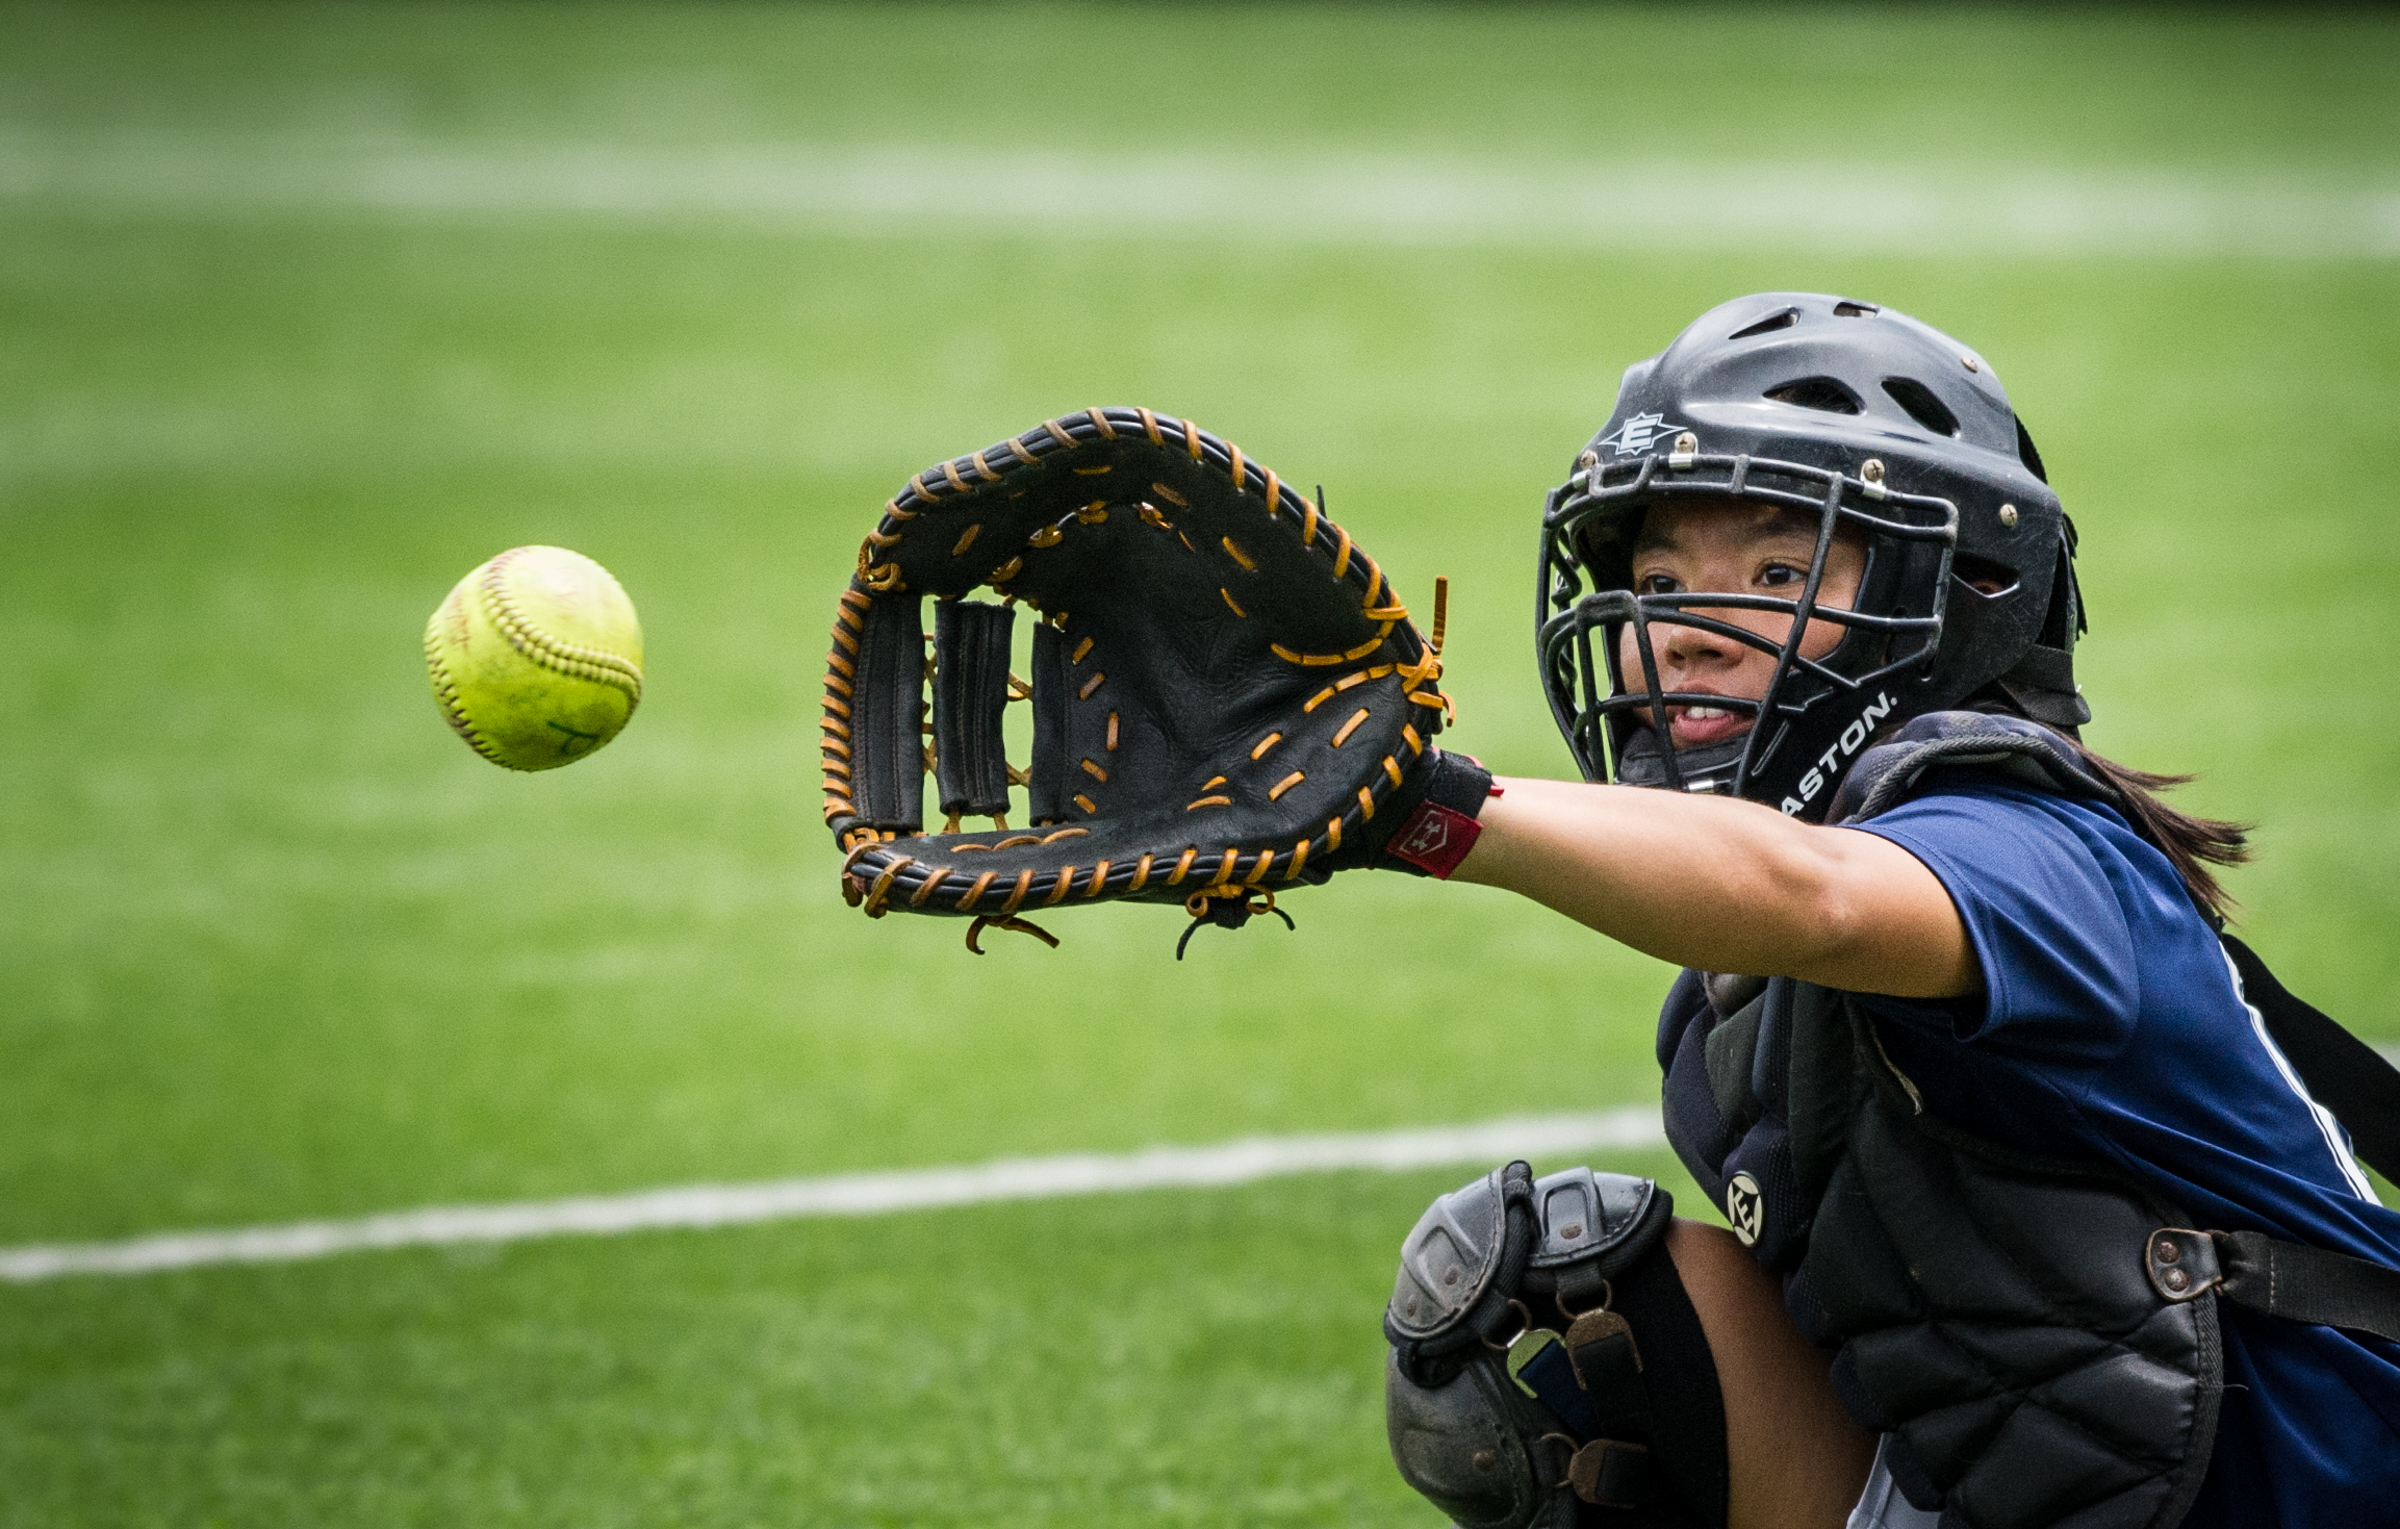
(1849, 743)
(1745, 1207)
(1633, 438)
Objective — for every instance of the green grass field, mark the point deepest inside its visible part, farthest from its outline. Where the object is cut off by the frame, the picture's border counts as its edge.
(273, 945)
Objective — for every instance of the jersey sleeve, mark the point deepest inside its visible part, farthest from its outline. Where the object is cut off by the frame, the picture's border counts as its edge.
(2041, 889)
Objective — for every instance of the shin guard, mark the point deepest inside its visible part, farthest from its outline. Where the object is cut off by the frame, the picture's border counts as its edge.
(1547, 1370)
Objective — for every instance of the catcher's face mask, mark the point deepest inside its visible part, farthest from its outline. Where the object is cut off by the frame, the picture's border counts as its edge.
(1780, 645)
(1888, 458)
(1691, 549)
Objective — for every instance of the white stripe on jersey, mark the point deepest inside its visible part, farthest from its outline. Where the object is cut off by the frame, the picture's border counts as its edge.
(2337, 1141)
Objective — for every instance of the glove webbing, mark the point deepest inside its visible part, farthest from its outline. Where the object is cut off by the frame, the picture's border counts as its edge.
(1048, 790)
(970, 695)
(885, 641)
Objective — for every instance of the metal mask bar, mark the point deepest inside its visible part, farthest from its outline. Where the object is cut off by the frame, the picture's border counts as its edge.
(1568, 608)
(1799, 628)
(1659, 725)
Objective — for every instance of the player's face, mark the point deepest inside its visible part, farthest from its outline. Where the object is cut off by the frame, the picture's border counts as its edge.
(1727, 547)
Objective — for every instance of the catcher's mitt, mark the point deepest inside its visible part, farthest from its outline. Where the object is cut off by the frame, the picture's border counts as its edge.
(1227, 695)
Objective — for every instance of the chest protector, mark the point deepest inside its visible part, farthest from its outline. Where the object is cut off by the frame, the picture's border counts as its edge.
(2026, 1330)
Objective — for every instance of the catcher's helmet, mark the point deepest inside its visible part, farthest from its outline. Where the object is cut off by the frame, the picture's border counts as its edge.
(1864, 419)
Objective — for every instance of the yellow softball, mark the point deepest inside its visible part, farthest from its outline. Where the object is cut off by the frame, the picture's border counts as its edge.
(536, 658)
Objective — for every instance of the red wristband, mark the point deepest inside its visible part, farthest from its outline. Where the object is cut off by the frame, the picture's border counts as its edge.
(1435, 839)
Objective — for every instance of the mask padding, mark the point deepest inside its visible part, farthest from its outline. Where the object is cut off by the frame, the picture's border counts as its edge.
(970, 696)
(887, 716)
(1821, 393)
(1768, 325)
(1922, 406)
(2027, 455)
(1046, 779)
(2064, 621)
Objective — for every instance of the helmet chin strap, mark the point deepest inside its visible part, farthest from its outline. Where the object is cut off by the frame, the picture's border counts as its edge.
(1710, 767)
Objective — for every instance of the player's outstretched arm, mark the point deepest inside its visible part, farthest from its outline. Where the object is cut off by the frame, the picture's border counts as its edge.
(1727, 885)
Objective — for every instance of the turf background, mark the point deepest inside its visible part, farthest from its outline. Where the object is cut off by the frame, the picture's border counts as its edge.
(275, 946)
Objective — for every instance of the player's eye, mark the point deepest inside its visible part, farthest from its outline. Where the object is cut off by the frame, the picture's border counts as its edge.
(1658, 584)
(1779, 575)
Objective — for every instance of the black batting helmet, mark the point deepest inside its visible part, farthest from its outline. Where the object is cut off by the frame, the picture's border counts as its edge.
(1862, 418)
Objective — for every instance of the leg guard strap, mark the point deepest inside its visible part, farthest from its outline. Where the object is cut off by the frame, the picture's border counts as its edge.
(1603, 1411)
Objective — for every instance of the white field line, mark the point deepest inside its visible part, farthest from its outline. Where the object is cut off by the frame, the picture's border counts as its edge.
(1317, 198)
(851, 1194)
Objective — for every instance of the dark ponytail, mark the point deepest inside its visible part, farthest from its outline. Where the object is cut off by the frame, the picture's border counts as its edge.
(2191, 844)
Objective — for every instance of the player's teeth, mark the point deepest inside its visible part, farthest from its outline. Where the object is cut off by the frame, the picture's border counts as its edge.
(1705, 713)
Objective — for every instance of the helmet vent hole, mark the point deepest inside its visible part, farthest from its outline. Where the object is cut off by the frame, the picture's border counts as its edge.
(1983, 575)
(2027, 455)
(1822, 393)
(1922, 406)
(1768, 325)
(1846, 309)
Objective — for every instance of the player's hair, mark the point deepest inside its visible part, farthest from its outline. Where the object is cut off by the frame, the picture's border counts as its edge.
(2191, 844)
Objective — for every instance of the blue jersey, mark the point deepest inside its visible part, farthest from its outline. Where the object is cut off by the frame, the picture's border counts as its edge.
(2113, 1026)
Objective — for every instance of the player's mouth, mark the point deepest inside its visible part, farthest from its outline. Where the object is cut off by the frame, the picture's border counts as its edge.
(1698, 726)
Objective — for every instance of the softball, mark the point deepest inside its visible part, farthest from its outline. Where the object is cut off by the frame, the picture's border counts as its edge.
(536, 658)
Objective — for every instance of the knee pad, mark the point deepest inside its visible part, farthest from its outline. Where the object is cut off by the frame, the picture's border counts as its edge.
(1547, 1369)
(1479, 1449)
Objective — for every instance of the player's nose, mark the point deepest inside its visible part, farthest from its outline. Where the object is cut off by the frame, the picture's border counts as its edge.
(1684, 647)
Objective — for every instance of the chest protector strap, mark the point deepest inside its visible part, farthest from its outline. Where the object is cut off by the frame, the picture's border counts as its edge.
(2031, 1332)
